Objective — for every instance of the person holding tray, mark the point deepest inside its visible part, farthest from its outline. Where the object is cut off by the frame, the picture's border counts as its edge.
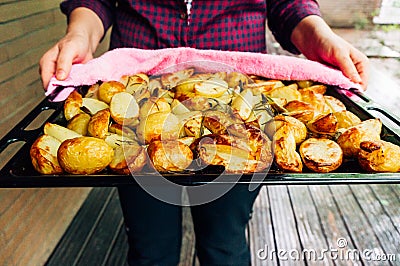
(154, 227)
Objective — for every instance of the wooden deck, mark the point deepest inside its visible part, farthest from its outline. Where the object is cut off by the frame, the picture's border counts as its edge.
(291, 225)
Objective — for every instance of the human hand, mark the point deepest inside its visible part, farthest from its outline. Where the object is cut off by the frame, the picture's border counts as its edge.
(72, 49)
(316, 41)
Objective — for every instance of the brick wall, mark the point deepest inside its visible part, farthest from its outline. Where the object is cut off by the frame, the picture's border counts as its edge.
(31, 220)
(348, 13)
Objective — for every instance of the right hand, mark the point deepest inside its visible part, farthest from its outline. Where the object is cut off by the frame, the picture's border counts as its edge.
(73, 48)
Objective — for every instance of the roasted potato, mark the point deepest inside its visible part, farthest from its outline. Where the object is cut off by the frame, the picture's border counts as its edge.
(99, 123)
(169, 156)
(290, 93)
(321, 155)
(323, 124)
(236, 78)
(135, 84)
(158, 126)
(299, 130)
(153, 105)
(379, 156)
(93, 91)
(72, 105)
(79, 123)
(286, 156)
(334, 104)
(368, 130)
(346, 119)
(122, 131)
(108, 89)
(320, 89)
(211, 88)
(93, 105)
(59, 132)
(218, 122)
(84, 155)
(128, 159)
(43, 153)
(115, 140)
(316, 100)
(170, 80)
(243, 103)
(124, 109)
(263, 86)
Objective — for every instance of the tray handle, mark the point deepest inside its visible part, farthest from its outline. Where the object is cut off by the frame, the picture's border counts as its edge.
(18, 133)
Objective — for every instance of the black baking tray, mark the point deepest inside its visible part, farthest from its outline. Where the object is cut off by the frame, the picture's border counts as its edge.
(18, 171)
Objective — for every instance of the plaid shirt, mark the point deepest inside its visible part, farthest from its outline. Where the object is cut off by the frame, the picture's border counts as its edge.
(235, 25)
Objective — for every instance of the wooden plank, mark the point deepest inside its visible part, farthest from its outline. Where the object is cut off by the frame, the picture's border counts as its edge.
(80, 229)
(360, 230)
(379, 220)
(261, 233)
(19, 9)
(119, 251)
(284, 224)
(311, 232)
(25, 25)
(8, 197)
(100, 241)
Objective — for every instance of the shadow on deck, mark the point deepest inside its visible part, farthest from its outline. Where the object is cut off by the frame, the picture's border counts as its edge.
(291, 225)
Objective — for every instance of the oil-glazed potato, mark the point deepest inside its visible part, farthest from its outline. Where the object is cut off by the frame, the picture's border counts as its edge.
(379, 156)
(170, 80)
(286, 156)
(346, 119)
(154, 105)
(135, 83)
(158, 126)
(218, 122)
(93, 105)
(108, 89)
(263, 86)
(243, 103)
(299, 130)
(59, 132)
(334, 104)
(79, 123)
(321, 89)
(115, 140)
(93, 91)
(236, 78)
(122, 131)
(300, 110)
(124, 109)
(72, 105)
(349, 140)
(316, 100)
(128, 159)
(84, 155)
(212, 88)
(323, 124)
(290, 93)
(321, 155)
(98, 124)
(170, 155)
(43, 153)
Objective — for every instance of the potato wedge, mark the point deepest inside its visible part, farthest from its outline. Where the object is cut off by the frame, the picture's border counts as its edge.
(84, 155)
(323, 124)
(379, 156)
(135, 83)
(115, 140)
(43, 153)
(108, 89)
(290, 92)
(335, 105)
(128, 159)
(122, 131)
(170, 80)
(93, 105)
(98, 124)
(286, 156)
(170, 155)
(211, 88)
(124, 109)
(158, 126)
(243, 103)
(59, 132)
(346, 119)
(236, 78)
(321, 155)
(79, 123)
(153, 105)
(299, 130)
(72, 105)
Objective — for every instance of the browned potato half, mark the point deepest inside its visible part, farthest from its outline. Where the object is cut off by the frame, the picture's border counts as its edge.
(321, 155)
(323, 124)
(170, 80)
(135, 83)
(243, 103)
(79, 123)
(84, 155)
(286, 156)
(98, 124)
(108, 89)
(158, 126)
(368, 130)
(321, 89)
(263, 86)
(93, 105)
(211, 88)
(299, 130)
(124, 109)
(128, 159)
(218, 122)
(316, 100)
(379, 156)
(334, 104)
(43, 155)
(304, 83)
(93, 92)
(59, 132)
(193, 125)
(153, 105)
(346, 119)
(178, 108)
(72, 105)
(236, 78)
(290, 92)
(122, 131)
(300, 110)
(171, 155)
(115, 140)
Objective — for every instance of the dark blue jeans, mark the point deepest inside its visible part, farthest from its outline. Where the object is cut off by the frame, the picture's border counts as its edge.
(154, 228)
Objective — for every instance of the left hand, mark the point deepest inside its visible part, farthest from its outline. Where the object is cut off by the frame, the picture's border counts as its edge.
(316, 41)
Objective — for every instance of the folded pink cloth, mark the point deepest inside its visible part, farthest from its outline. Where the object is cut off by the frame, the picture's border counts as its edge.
(125, 61)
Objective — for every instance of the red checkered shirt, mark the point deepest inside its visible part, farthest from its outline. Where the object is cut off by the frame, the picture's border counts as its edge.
(235, 25)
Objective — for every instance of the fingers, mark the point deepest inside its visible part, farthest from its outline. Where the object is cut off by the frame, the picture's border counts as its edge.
(47, 66)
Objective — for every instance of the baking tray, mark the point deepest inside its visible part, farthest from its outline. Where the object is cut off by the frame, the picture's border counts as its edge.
(18, 171)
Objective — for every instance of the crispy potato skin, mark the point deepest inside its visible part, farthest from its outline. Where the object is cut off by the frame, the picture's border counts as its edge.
(128, 159)
(79, 123)
(321, 155)
(286, 156)
(43, 155)
(108, 89)
(98, 124)
(170, 155)
(299, 130)
(72, 105)
(84, 155)
(379, 156)
(158, 126)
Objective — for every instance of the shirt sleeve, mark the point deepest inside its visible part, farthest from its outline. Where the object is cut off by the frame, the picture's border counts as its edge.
(284, 15)
(105, 9)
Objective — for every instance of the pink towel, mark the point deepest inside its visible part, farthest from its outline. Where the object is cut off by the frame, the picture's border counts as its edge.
(124, 61)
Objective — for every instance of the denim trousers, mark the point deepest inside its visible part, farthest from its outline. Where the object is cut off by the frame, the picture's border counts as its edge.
(154, 228)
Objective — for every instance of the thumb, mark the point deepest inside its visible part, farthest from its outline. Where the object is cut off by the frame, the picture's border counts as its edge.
(348, 68)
